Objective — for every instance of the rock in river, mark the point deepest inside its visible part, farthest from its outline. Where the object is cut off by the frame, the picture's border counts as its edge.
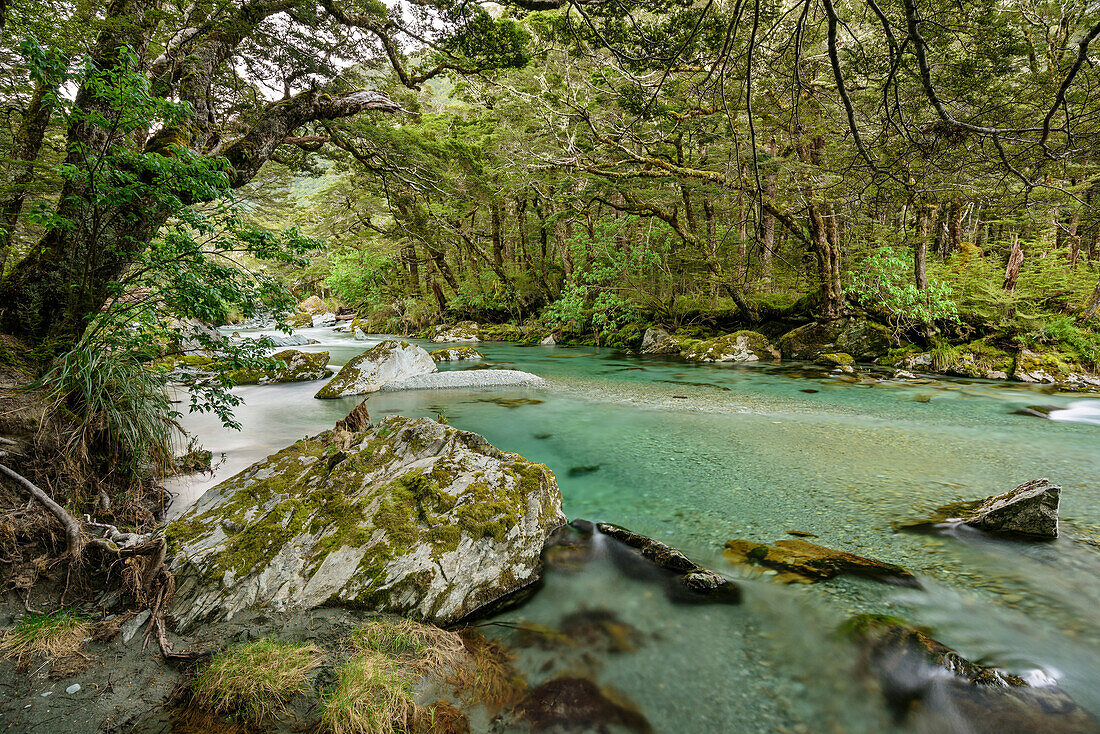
(658, 341)
(740, 346)
(386, 362)
(863, 339)
(411, 516)
(800, 561)
(1030, 510)
(455, 354)
(295, 366)
(464, 331)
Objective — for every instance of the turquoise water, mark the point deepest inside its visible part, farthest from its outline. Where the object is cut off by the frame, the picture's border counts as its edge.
(695, 455)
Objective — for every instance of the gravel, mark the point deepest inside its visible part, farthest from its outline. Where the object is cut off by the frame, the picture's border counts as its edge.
(466, 378)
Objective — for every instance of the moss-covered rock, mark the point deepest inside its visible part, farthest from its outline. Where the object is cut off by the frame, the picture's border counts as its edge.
(300, 320)
(1053, 367)
(294, 366)
(313, 306)
(455, 354)
(978, 359)
(658, 341)
(411, 516)
(386, 362)
(463, 331)
(800, 561)
(836, 359)
(865, 340)
(740, 346)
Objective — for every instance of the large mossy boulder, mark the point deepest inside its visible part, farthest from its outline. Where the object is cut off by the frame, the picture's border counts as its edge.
(294, 366)
(411, 516)
(865, 340)
(464, 331)
(385, 362)
(313, 306)
(740, 346)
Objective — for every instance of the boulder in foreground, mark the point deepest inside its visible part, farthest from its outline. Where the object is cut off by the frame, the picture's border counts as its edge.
(411, 517)
(386, 362)
(1030, 510)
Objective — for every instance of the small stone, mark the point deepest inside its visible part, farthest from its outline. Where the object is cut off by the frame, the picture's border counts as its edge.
(74, 688)
(131, 627)
(47, 693)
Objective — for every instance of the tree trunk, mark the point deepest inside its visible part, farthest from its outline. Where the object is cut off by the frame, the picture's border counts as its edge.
(1015, 260)
(1093, 304)
(920, 249)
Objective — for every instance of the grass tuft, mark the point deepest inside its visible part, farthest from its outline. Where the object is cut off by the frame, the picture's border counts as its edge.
(422, 648)
(53, 635)
(255, 680)
(373, 695)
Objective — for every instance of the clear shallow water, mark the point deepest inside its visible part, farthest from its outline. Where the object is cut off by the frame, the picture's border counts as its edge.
(695, 455)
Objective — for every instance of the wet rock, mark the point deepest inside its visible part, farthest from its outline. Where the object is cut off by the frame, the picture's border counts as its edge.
(455, 354)
(324, 319)
(549, 341)
(389, 361)
(1052, 368)
(839, 361)
(864, 340)
(1036, 411)
(925, 680)
(300, 320)
(296, 367)
(690, 582)
(1030, 510)
(287, 340)
(472, 378)
(800, 561)
(417, 518)
(658, 341)
(464, 331)
(740, 346)
(577, 704)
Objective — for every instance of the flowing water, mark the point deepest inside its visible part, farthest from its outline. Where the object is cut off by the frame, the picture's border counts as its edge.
(695, 455)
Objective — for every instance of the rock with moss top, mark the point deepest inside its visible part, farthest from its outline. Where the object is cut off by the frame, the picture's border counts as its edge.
(294, 366)
(455, 354)
(386, 362)
(313, 306)
(464, 331)
(1052, 368)
(658, 341)
(740, 346)
(865, 340)
(837, 360)
(411, 516)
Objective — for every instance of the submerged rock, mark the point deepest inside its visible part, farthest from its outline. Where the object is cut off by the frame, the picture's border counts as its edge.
(922, 678)
(455, 354)
(411, 516)
(800, 561)
(578, 704)
(690, 582)
(863, 339)
(386, 362)
(296, 367)
(464, 331)
(1030, 510)
(740, 346)
(658, 341)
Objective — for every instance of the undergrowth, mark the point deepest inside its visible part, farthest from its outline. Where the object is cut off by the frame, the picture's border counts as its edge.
(52, 635)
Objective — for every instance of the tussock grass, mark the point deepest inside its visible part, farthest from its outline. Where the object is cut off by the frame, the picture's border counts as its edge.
(255, 680)
(53, 635)
(373, 695)
(421, 648)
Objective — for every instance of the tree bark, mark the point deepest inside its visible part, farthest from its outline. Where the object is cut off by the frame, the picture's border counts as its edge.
(1015, 261)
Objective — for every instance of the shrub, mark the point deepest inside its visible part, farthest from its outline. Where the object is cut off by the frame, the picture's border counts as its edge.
(884, 282)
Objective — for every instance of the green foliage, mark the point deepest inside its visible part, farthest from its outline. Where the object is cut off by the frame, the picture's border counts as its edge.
(1064, 333)
(126, 419)
(884, 282)
(359, 277)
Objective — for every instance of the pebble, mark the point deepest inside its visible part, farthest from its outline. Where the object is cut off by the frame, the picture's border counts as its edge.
(74, 688)
(47, 693)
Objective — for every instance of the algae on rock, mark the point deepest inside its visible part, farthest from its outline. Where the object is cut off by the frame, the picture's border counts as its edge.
(411, 516)
(740, 346)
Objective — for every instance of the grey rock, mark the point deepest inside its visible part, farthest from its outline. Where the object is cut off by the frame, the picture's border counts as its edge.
(549, 341)
(863, 339)
(131, 626)
(1030, 509)
(904, 375)
(465, 331)
(658, 341)
(740, 346)
(287, 340)
(325, 319)
(386, 362)
(456, 354)
(74, 688)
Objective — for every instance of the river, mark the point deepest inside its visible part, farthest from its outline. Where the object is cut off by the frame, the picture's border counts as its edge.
(695, 455)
